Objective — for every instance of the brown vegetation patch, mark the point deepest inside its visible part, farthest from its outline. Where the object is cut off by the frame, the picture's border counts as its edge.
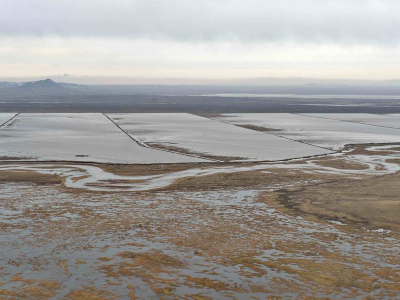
(258, 128)
(89, 294)
(39, 289)
(394, 161)
(373, 201)
(363, 149)
(198, 154)
(154, 261)
(155, 169)
(245, 179)
(342, 164)
(29, 177)
(13, 158)
(204, 282)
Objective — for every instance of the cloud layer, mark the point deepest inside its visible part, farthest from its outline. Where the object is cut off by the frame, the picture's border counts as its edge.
(358, 39)
(310, 21)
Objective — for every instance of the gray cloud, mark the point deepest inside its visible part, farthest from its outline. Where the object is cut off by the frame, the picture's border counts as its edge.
(336, 21)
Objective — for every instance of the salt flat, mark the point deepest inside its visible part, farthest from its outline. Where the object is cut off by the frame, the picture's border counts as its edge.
(209, 137)
(370, 119)
(76, 137)
(332, 134)
(4, 117)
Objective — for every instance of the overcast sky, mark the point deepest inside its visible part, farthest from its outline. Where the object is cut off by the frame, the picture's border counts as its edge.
(355, 39)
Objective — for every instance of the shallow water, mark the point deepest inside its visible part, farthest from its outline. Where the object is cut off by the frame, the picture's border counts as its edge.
(96, 179)
(178, 244)
(55, 232)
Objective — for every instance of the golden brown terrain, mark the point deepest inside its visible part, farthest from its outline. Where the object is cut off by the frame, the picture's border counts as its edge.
(321, 228)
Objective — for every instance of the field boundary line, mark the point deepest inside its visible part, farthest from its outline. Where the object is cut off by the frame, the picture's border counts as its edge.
(143, 144)
(348, 121)
(9, 120)
(133, 138)
(269, 133)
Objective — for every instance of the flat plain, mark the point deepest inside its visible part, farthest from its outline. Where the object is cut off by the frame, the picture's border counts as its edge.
(76, 137)
(329, 133)
(367, 119)
(135, 227)
(4, 117)
(194, 134)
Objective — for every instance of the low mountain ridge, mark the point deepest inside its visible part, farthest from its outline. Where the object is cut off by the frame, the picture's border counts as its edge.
(42, 85)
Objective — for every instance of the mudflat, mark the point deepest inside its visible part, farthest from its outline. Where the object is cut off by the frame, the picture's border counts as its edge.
(323, 227)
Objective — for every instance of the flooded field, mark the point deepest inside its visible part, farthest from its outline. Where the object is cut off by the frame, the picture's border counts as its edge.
(303, 229)
(367, 119)
(299, 96)
(75, 137)
(189, 133)
(332, 131)
(169, 138)
(5, 118)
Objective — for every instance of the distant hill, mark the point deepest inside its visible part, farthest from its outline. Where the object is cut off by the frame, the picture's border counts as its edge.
(46, 85)
(6, 85)
(78, 87)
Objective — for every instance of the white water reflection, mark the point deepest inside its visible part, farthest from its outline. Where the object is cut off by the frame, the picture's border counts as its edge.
(94, 178)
